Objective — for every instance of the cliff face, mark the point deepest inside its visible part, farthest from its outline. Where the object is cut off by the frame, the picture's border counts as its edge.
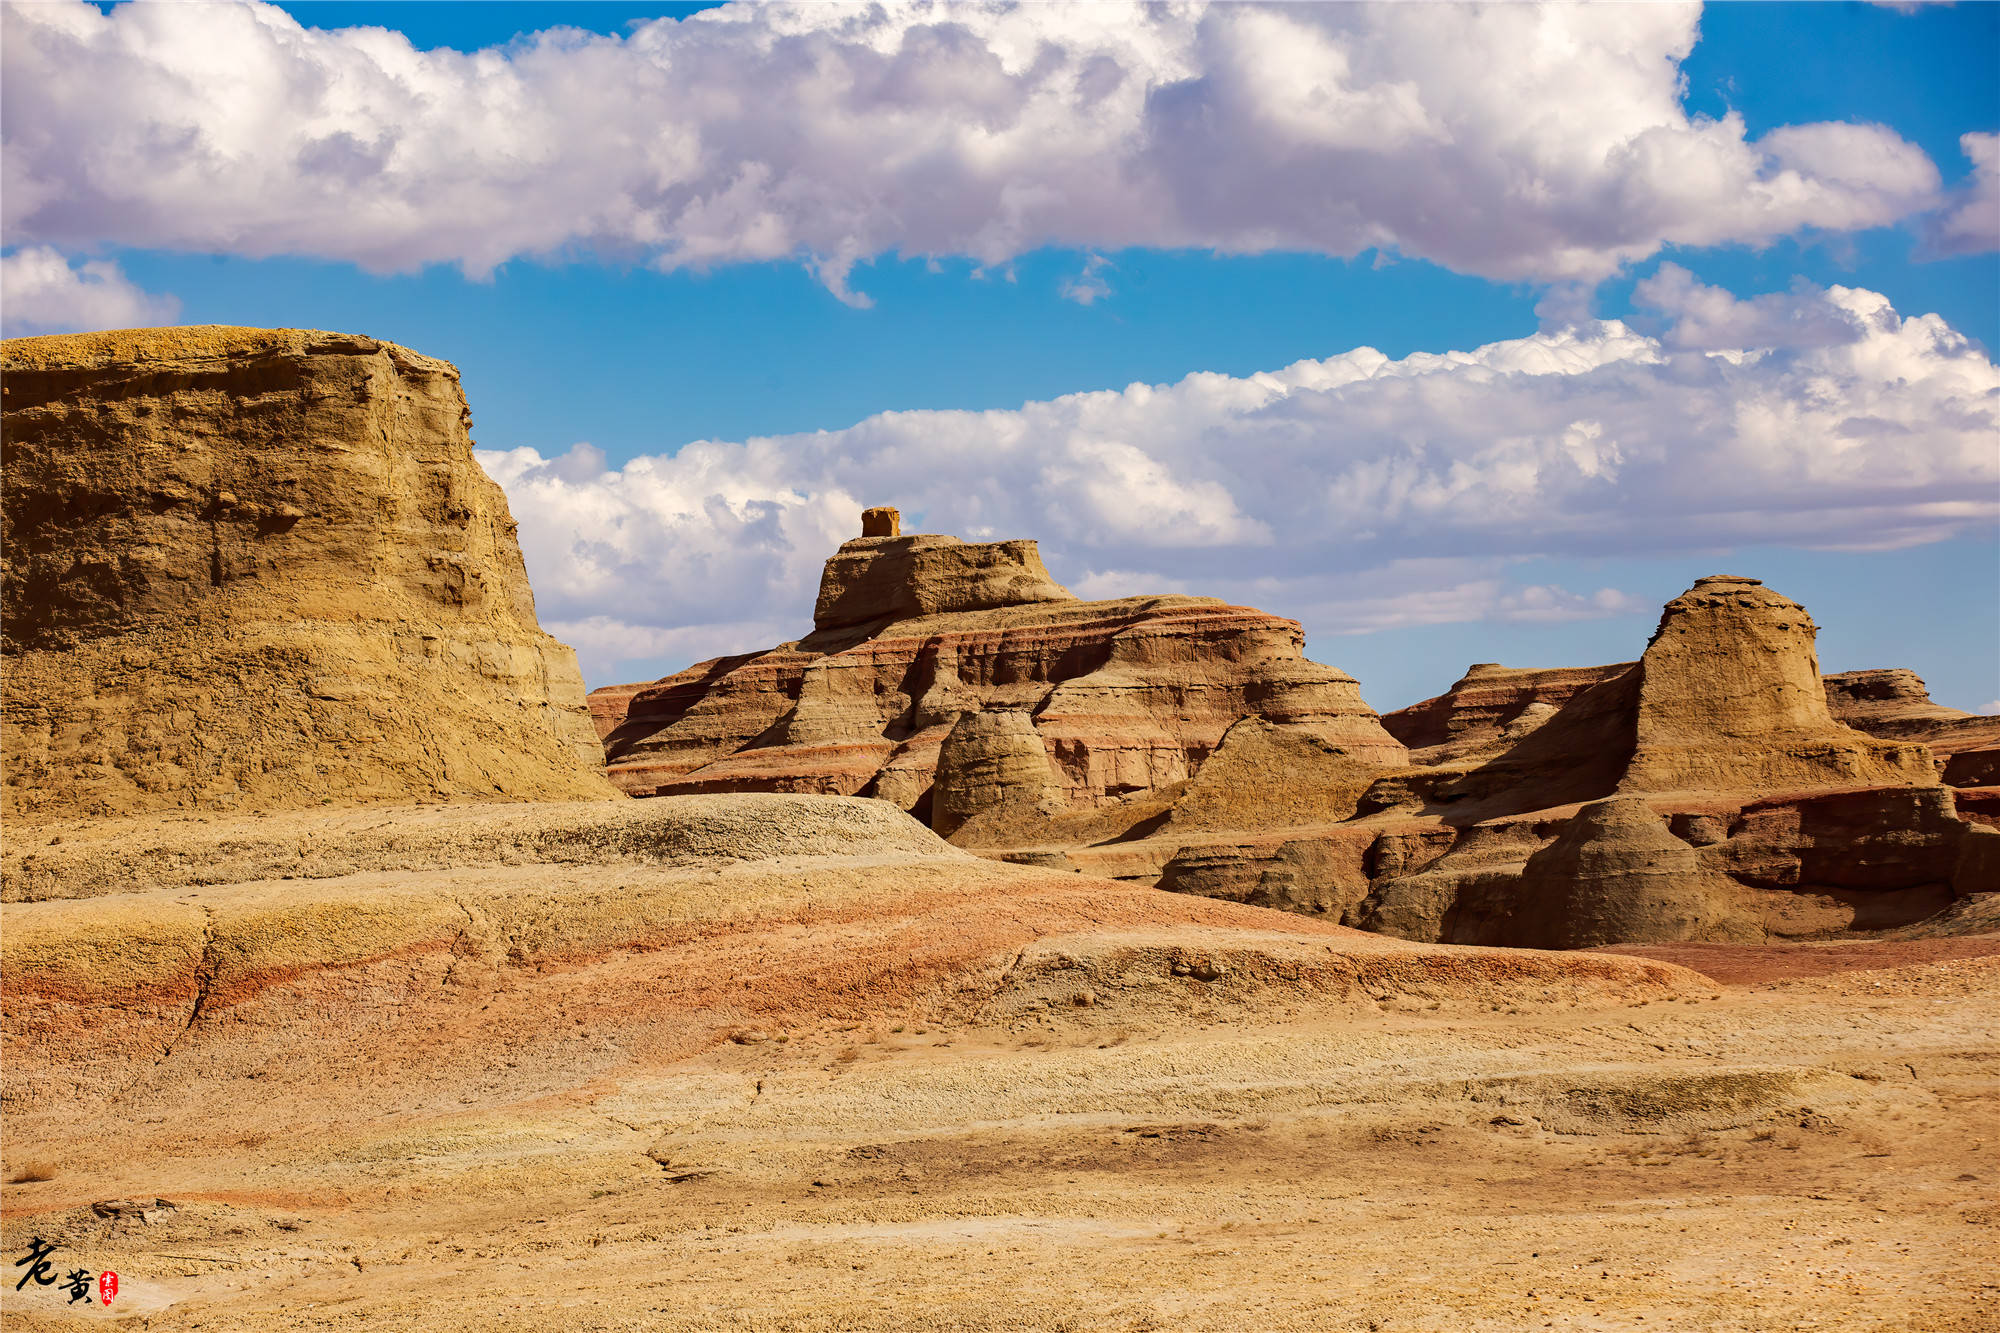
(1708, 791)
(1489, 707)
(1730, 699)
(1893, 703)
(892, 577)
(1124, 697)
(258, 569)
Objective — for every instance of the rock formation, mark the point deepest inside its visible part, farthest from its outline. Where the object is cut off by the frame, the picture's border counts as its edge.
(881, 579)
(1614, 873)
(1730, 699)
(1489, 707)
(1894, 704)
(1707, 791)
(914, 633)
(1492, 706)
(255, 569)
(992, 762)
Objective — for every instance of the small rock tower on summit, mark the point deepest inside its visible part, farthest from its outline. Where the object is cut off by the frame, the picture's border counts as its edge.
(883, 575)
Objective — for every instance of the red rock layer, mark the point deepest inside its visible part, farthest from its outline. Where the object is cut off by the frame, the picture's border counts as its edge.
(1127, 696)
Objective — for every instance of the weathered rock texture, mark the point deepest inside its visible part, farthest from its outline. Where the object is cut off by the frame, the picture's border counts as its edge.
(1490, 707)
(1730, 699)
(896, 578)
(1707, 791)
(916, 633)
(257, 569)
(992, 762)
(1893, 703)
(1493, 706)
(1614, 873)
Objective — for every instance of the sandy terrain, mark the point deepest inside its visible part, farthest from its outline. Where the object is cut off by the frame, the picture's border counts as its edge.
(1292, 1126)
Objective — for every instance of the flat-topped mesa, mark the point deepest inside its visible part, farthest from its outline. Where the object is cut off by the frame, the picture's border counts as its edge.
(1730, 699)
(1489, 707)
(914, 633)
(257, 569)
(1885, 701)
(891, 577)
(1893, 703)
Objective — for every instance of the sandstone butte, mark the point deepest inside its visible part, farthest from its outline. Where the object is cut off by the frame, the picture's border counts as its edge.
(1190, 745)
(260, 569)
(410, 1058)
(961, 673)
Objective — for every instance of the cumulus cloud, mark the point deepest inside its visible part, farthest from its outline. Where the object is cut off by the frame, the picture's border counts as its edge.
(1970, 221)
(1708, 318)
(1354, 493)
(42, 292)
(1519, 142)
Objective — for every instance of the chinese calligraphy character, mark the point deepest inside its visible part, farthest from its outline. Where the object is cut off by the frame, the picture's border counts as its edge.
(79, 1286)
(37, 1257)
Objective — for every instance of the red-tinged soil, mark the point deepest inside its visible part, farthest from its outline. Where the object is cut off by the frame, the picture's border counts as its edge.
(818, 1089)
(1760, 964)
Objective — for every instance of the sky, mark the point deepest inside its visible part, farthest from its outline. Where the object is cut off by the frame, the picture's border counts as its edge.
(1457, 334)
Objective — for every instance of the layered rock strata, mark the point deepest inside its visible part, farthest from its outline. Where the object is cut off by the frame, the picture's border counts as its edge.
(1492, 706)
(1704, 792)
(1489, 707)
(891, 577)
(1730, 699)
(1893, 703)
(257, 569)
(916, 633)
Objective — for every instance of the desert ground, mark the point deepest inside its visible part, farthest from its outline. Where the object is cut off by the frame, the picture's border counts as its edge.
(943, 1093)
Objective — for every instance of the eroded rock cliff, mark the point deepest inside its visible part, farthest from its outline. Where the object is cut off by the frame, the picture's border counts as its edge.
(915, 633)
(258, 569)
(1489, 707)
(1893, 703)
(1730, 699)
(1707, 791)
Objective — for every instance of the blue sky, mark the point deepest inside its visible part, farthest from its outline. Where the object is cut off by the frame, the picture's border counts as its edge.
(790, 272)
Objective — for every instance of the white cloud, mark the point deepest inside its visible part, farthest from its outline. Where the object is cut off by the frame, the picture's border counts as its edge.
(1708, 318)
(42, 292)
(1543, 143)
(1970, 221)
(1090, 286)
(1307, 490)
